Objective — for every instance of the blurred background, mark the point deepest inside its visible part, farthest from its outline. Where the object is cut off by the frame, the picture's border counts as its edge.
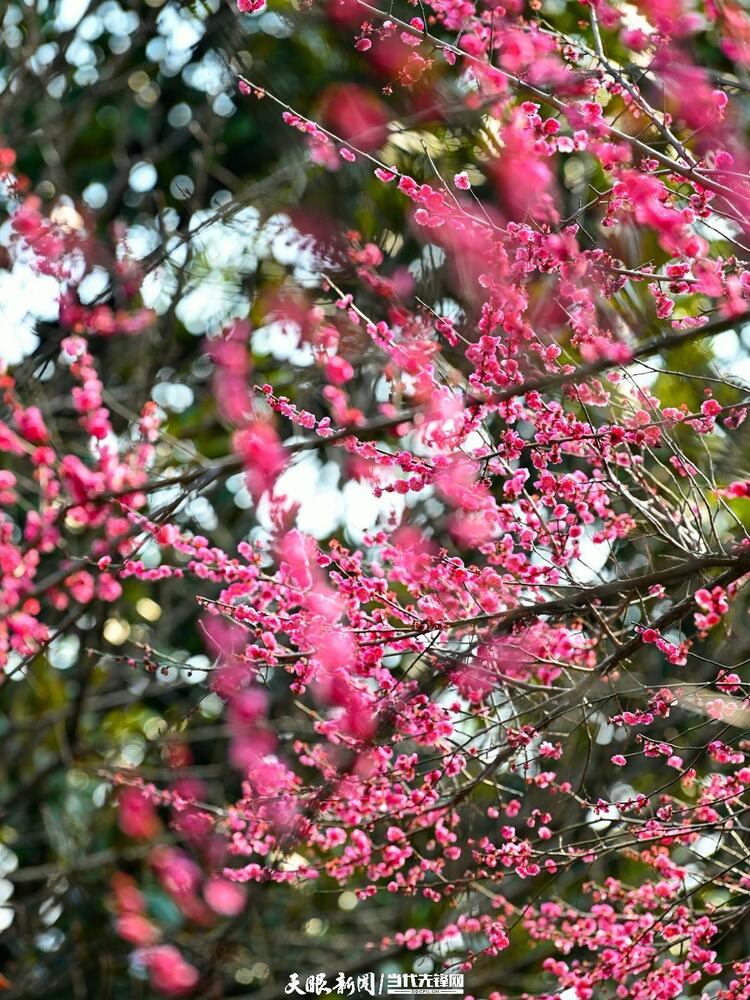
(127, 119)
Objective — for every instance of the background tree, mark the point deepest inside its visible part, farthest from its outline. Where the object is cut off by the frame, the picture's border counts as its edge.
(374, 498)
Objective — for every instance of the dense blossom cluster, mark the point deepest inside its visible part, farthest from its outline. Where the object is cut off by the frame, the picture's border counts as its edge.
(444, 671)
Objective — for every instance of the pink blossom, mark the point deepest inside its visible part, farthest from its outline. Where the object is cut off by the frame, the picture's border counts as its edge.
(338, 370)
(137, 815)
(224, 897)
(169, 971)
